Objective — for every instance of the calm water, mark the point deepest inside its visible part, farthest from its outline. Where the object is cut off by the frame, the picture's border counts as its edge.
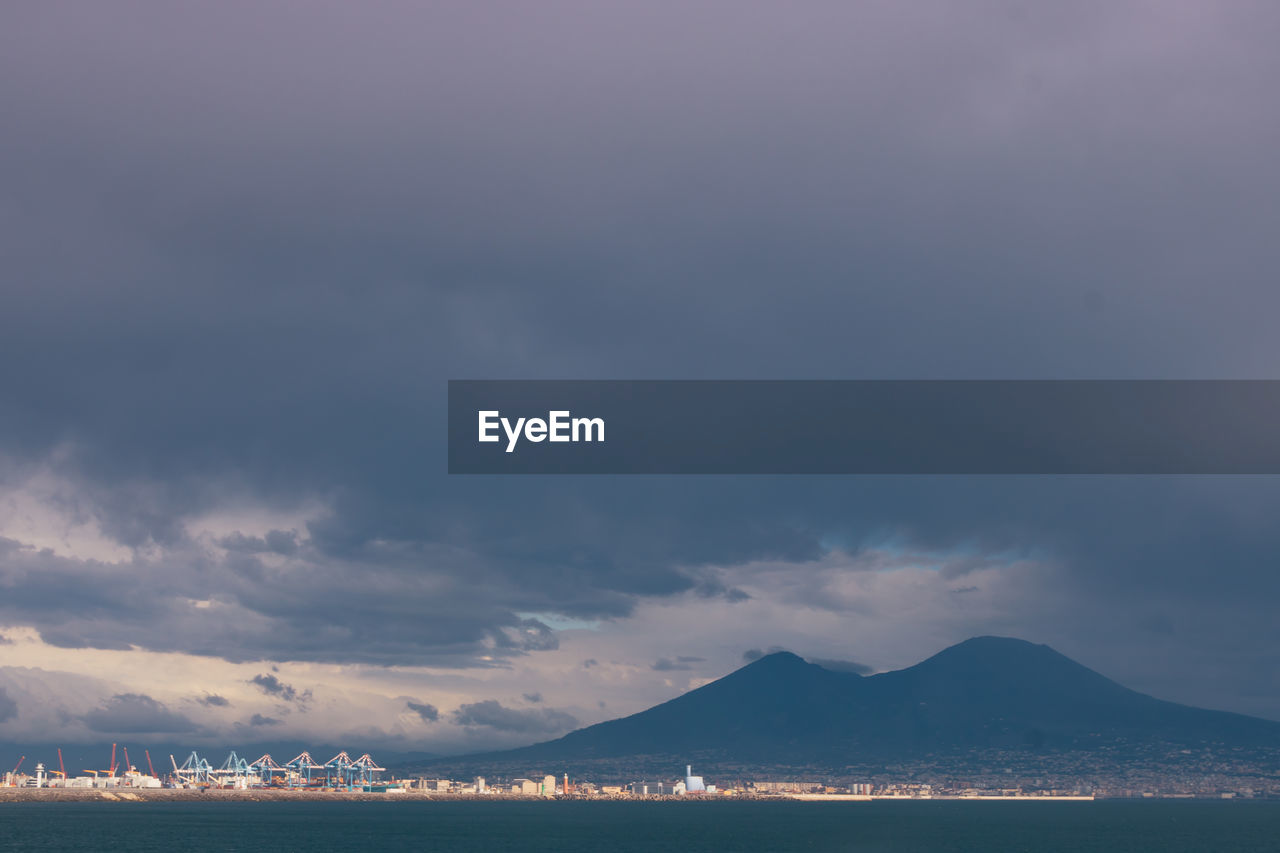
(1166, 827)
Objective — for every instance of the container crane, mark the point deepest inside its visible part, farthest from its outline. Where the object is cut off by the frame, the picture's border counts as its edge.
(195, 770)
(365, 768)
(235, 769)
(303, 764)
(267, 767)
(342, 767)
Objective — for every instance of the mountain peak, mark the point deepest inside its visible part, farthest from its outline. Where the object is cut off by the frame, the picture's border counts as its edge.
(991, 642)
(782, 658)
(775, 668)
(997, 651)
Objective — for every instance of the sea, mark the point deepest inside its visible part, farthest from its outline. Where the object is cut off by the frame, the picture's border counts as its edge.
(618, 827)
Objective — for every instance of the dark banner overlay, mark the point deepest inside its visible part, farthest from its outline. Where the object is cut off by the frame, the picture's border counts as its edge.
(864, 427)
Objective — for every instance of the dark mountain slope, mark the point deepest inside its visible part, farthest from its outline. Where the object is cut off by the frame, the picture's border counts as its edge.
(985, 692)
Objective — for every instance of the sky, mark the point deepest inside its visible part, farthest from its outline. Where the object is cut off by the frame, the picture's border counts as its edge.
(244, 245)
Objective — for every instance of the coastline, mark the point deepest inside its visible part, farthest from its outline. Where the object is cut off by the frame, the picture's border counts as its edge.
(214, 795)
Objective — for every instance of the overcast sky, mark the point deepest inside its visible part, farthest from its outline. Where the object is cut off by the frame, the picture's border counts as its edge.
(243, 245)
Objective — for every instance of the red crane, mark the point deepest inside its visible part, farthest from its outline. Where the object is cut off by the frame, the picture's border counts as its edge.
(113, 759)
(150, 769)
(19, 764)
(127, 766)
(61, 768)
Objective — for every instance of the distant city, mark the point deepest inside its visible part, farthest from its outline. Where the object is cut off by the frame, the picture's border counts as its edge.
(303, 775)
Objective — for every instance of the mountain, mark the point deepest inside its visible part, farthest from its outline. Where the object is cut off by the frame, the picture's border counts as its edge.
(985, 693)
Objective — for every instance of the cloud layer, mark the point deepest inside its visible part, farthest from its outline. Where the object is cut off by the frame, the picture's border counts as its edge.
(245, 249)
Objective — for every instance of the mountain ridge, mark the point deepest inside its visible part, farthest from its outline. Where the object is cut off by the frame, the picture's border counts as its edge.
(984, 693)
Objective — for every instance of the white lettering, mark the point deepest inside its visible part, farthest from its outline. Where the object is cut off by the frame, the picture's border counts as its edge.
(557, 427)
(587, 425)
(559, 422)
(513, 435)
(488, 423)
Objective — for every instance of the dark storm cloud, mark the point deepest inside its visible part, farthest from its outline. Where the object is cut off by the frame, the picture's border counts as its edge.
(427, 712)
(533, 697)
(526, 635)
(843, 666)
(247, 282)
(532, 721)
(260, 720)
(238, 609)
(214, 700)
(284, 542)
(8, 707)
(136, 713)
(273, 686)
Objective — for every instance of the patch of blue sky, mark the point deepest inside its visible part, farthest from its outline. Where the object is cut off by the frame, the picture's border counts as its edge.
(560, 622)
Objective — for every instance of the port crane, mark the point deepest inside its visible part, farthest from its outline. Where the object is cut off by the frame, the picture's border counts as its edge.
(235, 768)
(303, 763)
(366, 767)
(267, 767)
(111, 771)
(342, 767)
(194, 770)
(61, 772)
